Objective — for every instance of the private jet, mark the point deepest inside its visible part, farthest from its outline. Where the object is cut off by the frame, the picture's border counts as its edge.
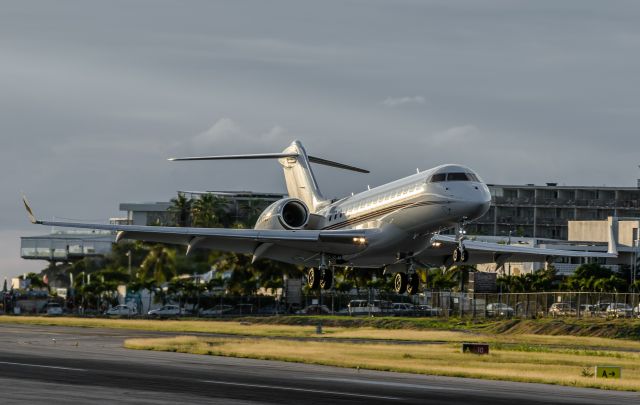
(397, 226)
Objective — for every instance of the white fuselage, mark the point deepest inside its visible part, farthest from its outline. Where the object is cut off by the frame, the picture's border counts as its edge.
(417, 205)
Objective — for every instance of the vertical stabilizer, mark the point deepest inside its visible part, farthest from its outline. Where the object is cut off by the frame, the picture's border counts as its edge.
(299, 177)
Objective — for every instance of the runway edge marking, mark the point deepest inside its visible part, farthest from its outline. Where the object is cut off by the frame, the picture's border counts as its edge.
(42, 366)
(277, 387)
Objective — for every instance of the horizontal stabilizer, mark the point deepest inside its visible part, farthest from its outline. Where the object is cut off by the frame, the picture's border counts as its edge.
(232, 157)
(326, 162)
(312, 159)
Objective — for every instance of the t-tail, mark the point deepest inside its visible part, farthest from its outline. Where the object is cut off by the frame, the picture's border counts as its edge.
(298, 175)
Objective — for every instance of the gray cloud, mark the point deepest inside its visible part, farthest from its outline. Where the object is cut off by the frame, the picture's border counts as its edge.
(96, 95)
(398, 101)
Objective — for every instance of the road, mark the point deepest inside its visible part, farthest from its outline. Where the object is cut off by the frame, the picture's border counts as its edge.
(63, 365)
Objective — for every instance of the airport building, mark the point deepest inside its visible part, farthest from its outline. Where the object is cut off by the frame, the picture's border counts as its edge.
(545, 211)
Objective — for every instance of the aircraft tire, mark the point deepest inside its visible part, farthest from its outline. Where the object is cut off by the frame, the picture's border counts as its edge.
(413, 284)
(464, 256)
(457, 255)
(326, 279)
(313, 278)
(400, 283)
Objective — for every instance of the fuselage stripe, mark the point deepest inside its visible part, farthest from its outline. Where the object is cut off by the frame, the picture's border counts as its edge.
(382, 211)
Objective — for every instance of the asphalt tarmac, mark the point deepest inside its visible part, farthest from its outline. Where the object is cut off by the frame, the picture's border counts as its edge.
(61, 365)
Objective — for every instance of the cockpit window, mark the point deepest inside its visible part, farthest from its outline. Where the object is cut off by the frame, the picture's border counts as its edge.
(473, 177)
(457, 177)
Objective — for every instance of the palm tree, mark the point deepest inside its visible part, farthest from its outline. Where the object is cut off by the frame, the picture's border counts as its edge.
(208, 211)
(160, 264)
(251, 210)
(181, 210)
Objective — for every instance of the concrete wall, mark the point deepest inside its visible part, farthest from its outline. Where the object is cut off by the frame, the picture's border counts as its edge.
(598, 231)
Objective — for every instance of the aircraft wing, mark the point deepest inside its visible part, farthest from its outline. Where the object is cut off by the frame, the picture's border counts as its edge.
(489, 252)
(340, 242)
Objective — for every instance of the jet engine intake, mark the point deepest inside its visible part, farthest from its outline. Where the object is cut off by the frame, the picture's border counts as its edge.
(288, 213)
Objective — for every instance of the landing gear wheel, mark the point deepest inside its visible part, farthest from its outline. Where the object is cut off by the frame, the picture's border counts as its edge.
(313, 278)
(326, 279)
(413, 284)
(464, 256)
(400, 283)
(457, 255)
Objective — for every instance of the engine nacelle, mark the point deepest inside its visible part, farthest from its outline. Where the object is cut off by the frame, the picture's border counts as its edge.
(288, 213)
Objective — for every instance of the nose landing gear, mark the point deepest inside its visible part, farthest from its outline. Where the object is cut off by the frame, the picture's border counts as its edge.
(460, 254)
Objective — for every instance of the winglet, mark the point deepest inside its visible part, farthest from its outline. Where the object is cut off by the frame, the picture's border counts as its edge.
(32, 217)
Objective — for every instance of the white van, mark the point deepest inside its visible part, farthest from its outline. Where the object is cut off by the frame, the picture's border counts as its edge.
(364, 307)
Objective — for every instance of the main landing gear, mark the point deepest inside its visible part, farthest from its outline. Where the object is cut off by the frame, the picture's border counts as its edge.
(321, 277)
(408, 282)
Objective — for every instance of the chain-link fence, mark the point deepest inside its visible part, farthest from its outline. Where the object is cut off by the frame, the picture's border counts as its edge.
(373, 302)
(437, 303)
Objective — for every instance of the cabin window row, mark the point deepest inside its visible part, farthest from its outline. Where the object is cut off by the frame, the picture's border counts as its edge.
(384, 198)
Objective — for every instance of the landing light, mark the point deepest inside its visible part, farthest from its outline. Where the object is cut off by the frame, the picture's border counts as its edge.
(359, 240)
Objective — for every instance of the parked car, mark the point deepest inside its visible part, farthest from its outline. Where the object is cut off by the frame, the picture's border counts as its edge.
(314, 309)
(499, 309)
(217, 310)
(122, 310)
(588, 310)
(403, 309)
(53, 308)
(620, 310)
(601, 308)
(562, 309)
(428, 310)
(167, 311)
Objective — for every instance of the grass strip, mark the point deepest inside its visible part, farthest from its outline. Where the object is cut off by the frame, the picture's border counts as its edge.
(548, 366)
(268, 327)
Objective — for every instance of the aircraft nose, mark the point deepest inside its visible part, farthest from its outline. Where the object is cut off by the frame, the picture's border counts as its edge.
(479, 202)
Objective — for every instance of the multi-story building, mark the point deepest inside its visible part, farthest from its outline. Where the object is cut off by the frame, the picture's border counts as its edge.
(544, 211)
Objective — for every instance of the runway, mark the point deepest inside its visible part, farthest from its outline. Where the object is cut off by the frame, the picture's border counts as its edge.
(62, 365)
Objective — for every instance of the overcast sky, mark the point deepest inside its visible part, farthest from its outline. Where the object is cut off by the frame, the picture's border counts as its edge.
(95, 95)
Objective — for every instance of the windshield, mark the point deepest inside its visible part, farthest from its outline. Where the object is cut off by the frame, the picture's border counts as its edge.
(454, 176)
